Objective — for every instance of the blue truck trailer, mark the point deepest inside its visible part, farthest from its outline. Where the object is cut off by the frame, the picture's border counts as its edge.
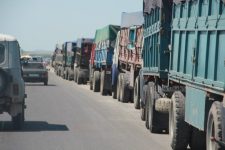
(102, 59)
(197, 63)
(155, 65)
(182, 85)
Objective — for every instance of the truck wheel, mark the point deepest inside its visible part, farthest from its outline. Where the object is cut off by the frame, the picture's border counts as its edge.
(118, 88)
(84, 80)
(96, 81)
(214, 127)
(142, 112)
(79, 79)
(69, 75)
(179, 130)
(46, 83)
(110, 92)
(62, 73)
(75, 75)
(131, 96)
(17, 121)
(114, 94)
(137, 94)
(58, 71)
(125, 91)
(102, 90)
(198, 139)
(66, 74)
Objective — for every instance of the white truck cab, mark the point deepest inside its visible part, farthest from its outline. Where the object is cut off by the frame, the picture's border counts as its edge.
(12, 87)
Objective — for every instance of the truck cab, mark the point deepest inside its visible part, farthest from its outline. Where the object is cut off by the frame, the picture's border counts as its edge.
(12, 87)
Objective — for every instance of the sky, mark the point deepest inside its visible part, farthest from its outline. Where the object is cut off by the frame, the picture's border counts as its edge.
(41, 24)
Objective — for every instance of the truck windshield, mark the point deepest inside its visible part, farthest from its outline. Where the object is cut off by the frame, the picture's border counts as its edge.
(2, 53)
(34, 66)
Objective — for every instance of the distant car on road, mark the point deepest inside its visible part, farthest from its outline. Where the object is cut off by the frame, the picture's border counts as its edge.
(35, 72)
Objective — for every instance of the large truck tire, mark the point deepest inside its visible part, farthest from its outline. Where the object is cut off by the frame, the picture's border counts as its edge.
(132, 96)
(79, 79)
(125, 91)
(137, 93)
(102, 90)
(162, 105)
(69, 74)
(62, 73)
(96, 81)
(179, 130)
(58, 71)
(214, 127)
(198, 139)
(75, 75)
(114, 94)
(46, 83)
(85, 81)
(66, 74)
(118, 88)
(17, 121)
(142, 113)
(155, 121)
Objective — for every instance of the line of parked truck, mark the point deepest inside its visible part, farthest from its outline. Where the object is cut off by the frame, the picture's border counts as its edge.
(169, 60)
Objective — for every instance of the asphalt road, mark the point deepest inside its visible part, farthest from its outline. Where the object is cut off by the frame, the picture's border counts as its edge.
(65, 116)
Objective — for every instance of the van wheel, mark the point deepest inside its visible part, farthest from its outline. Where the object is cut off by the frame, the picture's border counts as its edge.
(198, 139)
(96, 81)
(136, 94)
(179, 130)
(102, 90)
(17, 121)
(214, 127)
(125, 91)
(23, 111)
(118, 87)
(46, 83)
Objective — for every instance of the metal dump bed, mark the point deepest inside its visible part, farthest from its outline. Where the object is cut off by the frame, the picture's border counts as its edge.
(198, 33)
(157, 16)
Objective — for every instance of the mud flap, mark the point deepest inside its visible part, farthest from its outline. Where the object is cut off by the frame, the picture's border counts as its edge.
(15, 108)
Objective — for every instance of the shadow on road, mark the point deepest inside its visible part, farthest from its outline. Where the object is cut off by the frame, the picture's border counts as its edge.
(33, 126)
(40, 85)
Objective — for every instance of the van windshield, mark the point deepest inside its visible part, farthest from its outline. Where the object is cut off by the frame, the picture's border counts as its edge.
(2, 53)
(33, 66)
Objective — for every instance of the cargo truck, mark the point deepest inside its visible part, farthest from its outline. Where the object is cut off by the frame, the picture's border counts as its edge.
(155, 65)
(129, 57)
(58, 50)
(83, 52)
(58, 64)
(186, 78)
(69, 60)
(101, 59)
(197, 63)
